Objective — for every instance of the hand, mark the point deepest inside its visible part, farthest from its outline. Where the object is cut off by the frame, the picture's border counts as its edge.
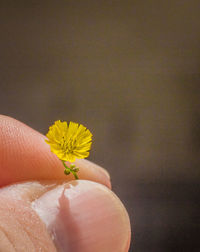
(42, 209)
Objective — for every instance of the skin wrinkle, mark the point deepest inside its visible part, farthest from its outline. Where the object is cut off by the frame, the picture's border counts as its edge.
(24, 191)
(21, 226)
(6, 235)
(25, 222)
(29, 235)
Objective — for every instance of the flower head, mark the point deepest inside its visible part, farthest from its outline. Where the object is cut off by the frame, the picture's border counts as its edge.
(69, 141)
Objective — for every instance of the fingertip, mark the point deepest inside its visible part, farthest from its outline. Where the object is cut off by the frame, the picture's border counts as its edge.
(24, 155)
(85, 216)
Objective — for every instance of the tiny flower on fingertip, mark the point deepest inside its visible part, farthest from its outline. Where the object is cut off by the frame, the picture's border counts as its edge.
(69, 142)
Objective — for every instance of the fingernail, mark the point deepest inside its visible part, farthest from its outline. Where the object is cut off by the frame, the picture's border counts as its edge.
(84, 216)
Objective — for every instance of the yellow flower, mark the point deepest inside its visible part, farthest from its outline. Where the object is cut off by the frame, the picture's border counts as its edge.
(69, 142)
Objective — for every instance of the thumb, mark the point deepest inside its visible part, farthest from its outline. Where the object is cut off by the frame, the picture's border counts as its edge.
(78, 216)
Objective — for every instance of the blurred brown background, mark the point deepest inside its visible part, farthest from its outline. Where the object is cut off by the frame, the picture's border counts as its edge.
(130, 72)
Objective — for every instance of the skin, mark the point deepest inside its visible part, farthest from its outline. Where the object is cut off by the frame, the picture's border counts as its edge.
(41, 209)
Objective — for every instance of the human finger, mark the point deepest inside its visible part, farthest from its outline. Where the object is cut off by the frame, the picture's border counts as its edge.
(24, 155)
(79, 216)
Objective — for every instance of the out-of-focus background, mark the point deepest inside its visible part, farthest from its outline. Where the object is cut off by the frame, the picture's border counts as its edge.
(130, 72)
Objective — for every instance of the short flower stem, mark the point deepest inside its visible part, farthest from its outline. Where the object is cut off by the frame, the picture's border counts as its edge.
(75, 175)
(71, 169)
